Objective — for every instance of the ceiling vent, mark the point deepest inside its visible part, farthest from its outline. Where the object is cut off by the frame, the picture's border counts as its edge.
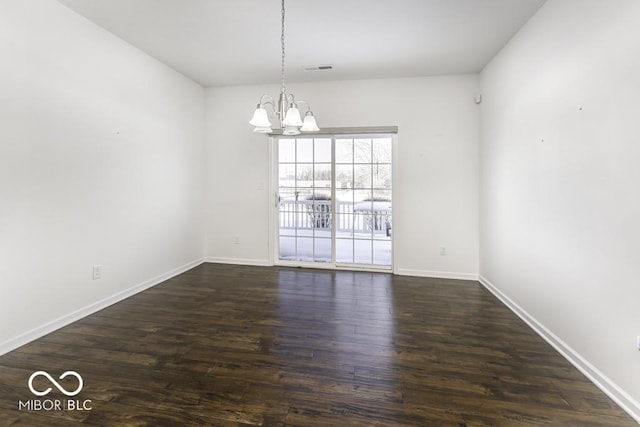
(319, 68)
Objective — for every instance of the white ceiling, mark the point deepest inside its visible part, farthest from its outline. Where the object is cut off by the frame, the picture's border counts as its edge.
(230, 42)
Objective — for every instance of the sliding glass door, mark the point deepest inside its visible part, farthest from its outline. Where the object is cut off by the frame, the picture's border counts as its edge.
(334, 200)
(363, 200)
(305, 229)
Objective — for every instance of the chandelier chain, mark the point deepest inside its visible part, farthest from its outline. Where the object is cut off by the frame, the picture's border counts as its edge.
(282, 44)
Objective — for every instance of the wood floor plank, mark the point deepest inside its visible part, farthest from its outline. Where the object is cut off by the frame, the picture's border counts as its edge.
(224, 345)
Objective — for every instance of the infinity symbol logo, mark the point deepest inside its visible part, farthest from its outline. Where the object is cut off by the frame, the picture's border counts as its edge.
(55, 383)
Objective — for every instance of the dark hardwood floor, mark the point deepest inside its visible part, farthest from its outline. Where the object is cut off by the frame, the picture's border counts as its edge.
(242, 346)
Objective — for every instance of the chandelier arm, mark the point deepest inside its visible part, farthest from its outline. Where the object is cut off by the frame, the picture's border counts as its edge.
(273, 107)
(302, 101)
(269, 100)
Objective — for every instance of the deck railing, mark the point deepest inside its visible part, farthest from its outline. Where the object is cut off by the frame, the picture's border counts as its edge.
(350, 217)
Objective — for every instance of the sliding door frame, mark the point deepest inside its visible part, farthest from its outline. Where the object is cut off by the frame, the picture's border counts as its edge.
(274, 202)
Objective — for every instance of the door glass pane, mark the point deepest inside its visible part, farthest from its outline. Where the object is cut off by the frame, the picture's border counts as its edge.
(381, 150)
(304, 175)
(344, 223)
(287, 175)
(344, 250)
(319, 212)
(287, 150)
(362, 176)
(304, 249)
(304, 150)
(362, 150)
(344, 177)
(322, 150)
(382, 252)
(344, 151)
(288, 248)
(322, 249)
(322, 176)
(381, 175)
(362, 251)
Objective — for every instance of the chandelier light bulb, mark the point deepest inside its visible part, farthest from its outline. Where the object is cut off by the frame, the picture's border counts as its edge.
(260, 118)
(309, 124)
(293, 117)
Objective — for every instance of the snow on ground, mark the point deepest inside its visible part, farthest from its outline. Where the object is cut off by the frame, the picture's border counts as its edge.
(315, 245)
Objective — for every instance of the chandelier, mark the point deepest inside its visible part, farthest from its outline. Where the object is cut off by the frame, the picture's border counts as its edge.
(286, 111)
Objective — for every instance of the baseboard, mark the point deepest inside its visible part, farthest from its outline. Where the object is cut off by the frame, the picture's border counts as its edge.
(240, 261)
(436, 274)
(67, 319)
(611, 389)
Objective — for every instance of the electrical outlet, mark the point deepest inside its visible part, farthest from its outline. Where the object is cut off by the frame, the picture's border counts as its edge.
(443, 251)
(638, 342)
(236, 240)
(97, 272)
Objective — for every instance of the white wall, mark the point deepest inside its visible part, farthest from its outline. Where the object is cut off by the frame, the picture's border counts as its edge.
(101, 162)
(436, 193)
(560, 205)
